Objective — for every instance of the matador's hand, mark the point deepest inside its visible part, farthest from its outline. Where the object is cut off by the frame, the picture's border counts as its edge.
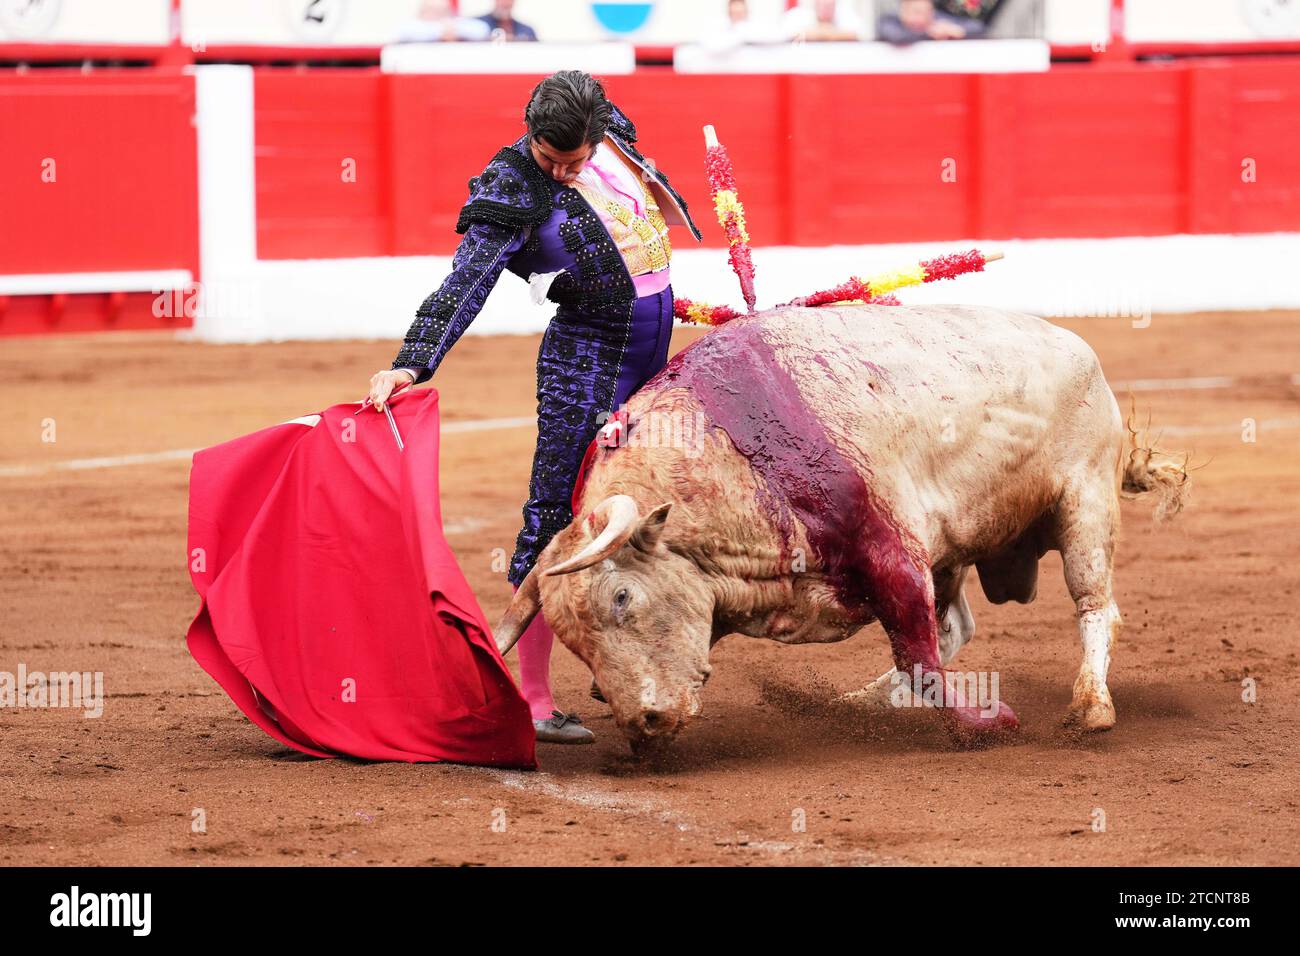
(386, 383)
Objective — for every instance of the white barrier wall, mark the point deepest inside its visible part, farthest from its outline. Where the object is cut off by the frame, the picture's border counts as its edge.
(123, 22)
(228, 264)
(1211, 21)
(1076, 22)
(313, 23)
(289, 23)
(601, 59)
(377, 22)
(986, 56)
(660, 22)
(666, 22)
(1128, 279)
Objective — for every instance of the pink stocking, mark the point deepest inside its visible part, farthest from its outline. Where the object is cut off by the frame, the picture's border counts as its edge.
(535, 667)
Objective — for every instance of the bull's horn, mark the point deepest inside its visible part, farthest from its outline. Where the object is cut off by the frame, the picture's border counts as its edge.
(624, 516)
(523, 608)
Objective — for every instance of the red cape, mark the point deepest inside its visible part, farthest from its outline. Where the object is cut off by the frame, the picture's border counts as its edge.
(334, 614)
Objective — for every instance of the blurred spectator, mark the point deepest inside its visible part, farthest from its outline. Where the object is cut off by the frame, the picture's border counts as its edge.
(921, 20)
(980, 10)
(823, 20)
(502, 18)
(1006, 19)
(436, 23)
(739, 28)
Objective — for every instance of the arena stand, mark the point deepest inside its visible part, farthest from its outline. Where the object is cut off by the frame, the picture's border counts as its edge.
(262, 153)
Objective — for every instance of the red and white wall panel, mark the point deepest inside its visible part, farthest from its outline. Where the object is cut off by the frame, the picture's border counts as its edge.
(98, 196)
(322, 203)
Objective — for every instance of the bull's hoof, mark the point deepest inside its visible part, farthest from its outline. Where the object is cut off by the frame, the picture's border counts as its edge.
(867, 698)
(871, 696)
(883, 693)
(972, 727)
(1093, 715)
(596, 694)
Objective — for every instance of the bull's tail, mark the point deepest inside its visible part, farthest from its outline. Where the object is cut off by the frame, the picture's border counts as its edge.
(1148, 469)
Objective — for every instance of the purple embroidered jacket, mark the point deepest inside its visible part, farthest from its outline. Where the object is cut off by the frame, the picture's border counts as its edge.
(520, 219)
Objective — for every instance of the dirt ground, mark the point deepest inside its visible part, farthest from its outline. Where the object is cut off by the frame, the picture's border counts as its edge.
(92, 577)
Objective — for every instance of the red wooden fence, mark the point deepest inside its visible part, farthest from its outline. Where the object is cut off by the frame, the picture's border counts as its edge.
(1200, 146)
(1079, 151)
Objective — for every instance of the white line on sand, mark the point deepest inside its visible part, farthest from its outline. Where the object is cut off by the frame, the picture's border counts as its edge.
(488, 424)
(184, 454)
(1268, 424)
(494, 424)
(543, 784)
(79, 464)
(1175, 384)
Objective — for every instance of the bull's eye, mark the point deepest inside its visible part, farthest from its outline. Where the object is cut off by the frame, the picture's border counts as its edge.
(620, 599)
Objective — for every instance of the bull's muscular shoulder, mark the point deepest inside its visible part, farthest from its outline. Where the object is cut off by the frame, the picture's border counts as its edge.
(511, 191)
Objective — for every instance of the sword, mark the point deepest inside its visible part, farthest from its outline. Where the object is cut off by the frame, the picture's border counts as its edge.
(388, 413)
(397, 436)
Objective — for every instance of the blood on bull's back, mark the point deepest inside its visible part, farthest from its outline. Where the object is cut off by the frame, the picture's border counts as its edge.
(942, 424)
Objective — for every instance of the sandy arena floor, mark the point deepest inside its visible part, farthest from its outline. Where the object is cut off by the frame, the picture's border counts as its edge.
(92, 577)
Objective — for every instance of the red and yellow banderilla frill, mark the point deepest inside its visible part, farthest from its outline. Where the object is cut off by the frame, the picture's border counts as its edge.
(731, 214)
(874, 291)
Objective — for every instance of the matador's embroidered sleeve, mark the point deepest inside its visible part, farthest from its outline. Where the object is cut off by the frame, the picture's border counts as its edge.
(506, 200)
(445, 315)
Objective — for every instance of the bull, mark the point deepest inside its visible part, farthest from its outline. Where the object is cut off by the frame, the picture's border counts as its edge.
(854, 463)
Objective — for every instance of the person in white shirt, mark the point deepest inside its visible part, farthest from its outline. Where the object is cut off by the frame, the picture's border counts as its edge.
(820, 20)
(738, 28)
(437, 23)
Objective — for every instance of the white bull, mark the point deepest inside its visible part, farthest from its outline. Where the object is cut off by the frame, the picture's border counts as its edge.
(853, 464)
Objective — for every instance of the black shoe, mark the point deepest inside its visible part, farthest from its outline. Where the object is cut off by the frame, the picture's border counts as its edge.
(562, 728)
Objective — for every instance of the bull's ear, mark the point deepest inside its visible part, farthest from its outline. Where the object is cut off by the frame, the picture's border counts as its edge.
(651, 529)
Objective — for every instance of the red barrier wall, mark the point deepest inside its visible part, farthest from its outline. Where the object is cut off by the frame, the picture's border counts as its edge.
(1080, 151)
(306, 127)
(123, 195)
(124, 190)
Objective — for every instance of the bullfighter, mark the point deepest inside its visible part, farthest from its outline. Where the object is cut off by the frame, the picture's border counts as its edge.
(576, 210)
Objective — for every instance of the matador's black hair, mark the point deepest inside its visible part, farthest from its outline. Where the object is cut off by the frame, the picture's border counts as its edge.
(569, 110)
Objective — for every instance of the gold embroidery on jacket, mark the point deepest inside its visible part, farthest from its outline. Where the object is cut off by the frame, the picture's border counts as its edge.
(642, 241)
